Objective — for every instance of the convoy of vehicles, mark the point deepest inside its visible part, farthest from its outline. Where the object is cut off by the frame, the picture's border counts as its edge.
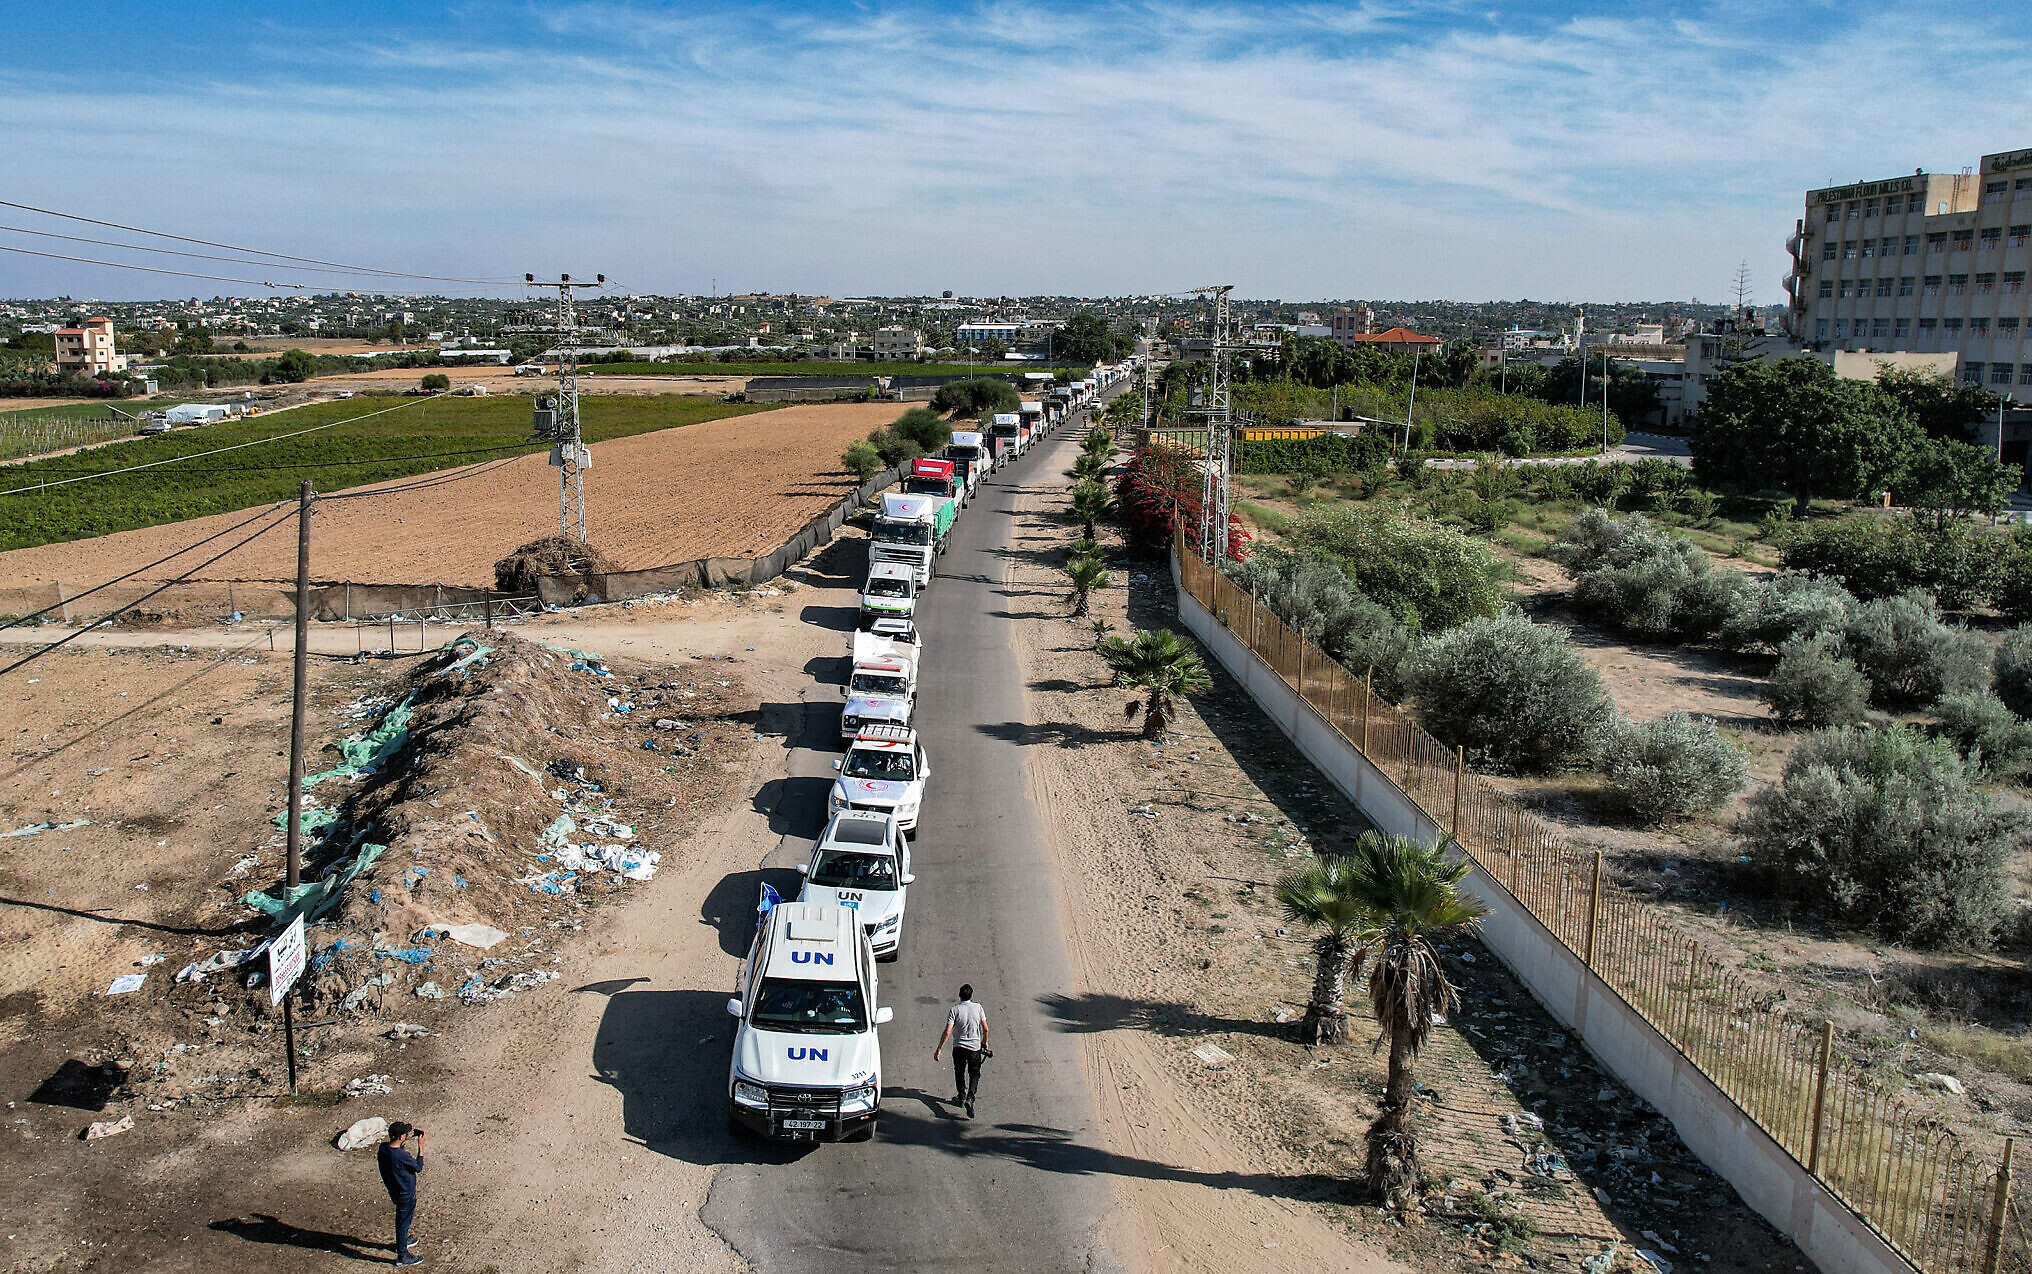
(807, 1061)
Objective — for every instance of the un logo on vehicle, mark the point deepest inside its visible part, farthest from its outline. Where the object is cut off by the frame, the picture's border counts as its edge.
(803, 1054)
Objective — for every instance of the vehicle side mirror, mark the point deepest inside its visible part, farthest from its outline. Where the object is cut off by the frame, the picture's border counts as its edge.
(804, 869)
(909, 878)
(884, 1015)
(734, 1007)
(836, 765)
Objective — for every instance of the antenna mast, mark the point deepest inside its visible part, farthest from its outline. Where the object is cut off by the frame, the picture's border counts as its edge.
(1220, 417)
(559, 420)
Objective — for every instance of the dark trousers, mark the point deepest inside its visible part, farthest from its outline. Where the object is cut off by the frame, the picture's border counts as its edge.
(966, 1072)
(405, 1210)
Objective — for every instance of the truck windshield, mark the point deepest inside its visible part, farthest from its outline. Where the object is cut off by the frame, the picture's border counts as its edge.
(888, 588)
(879, 683)
(896, 766)
(1005, 431)
(837, 870)
(927, 486)
(913, 533)
(833, 1008)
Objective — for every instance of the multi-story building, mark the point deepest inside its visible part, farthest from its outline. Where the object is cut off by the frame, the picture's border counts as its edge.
(1345, 324)
(1930, 263)
(896, 342)
(88, 348)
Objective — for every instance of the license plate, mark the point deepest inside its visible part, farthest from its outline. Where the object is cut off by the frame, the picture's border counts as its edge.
(814, 1125)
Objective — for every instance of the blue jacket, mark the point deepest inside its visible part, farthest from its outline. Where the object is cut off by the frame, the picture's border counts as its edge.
(398, 1171)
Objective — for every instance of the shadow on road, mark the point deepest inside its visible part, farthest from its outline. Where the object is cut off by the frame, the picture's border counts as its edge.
(1064, 734)
(1092, 1013)
(666, 1053)
(839, 619)
(263, 1228)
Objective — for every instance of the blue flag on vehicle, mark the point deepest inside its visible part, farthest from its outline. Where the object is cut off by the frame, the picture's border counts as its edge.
(769, 899)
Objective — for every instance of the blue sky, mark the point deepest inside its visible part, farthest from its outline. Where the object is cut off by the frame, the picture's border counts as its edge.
(1558, 149)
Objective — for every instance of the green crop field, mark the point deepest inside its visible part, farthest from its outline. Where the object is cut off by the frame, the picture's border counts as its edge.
(97, 409)
(423, 435)
(811, 369)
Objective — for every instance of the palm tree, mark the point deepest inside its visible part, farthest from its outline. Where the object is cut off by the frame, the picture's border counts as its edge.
(1159, 662)
(1411, 892)
(1086, 574)
(1099, 442)
(1319, 896)
(1101, 628)
(1090, 467)
(1091, 502)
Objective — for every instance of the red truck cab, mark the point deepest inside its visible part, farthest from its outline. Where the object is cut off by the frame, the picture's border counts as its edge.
(931, 477)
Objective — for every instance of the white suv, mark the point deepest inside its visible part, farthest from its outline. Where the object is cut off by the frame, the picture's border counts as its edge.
(862, 863)
(883, 772)
(807, 1062)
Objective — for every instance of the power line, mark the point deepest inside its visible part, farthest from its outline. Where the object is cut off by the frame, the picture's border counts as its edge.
(197, 455)
(152, 269)
(232, 247)
(172, 252)
(23, 467)
(281, 518)
(444, 478)
(22, 619)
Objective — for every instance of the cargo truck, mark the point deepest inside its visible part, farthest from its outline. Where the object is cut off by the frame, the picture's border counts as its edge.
(931, 477)
(969, 453)
(882, 684)
(1006, 433)
(1032, 415)
(910, 530)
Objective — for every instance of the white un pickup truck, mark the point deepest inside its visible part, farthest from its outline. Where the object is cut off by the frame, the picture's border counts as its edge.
(862, 863)
(884, 773)
(807, 1062)
(882, 684)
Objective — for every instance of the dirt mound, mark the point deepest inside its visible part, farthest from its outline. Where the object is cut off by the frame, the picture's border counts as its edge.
(508, 788)
(559, 556)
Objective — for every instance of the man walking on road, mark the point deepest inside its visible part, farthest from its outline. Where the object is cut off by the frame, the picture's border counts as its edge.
(398, 1172)
(966, 1027)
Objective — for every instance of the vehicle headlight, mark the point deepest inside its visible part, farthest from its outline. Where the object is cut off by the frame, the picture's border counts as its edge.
(889, 924)
(747, 1094)
(909, 808)
(856, 1100)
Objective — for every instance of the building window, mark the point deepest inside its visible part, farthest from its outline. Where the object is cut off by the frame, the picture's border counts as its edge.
(1972, 373)
(1927, 326)
(1994, 187)
(1985, 283)
(1951, 326)
(1848, 251)
(1937, 241)
(1851, 208)
(2000, 373)
(1883, 287)
(2020, 236)
(1902, 329)
(1963, 240)
(2025, 373)
(1870, 208)
(1993, 236)
(1979, 327)
(2007, 328)
(1880, 327)
(1894, 205)
(2023, 184)
(1932, 287)
(1844, 292)
(1820, 330)
(1905, 286)
(1957, 284)
(1911, 245)
(1826, 288)
(2013, 280)
(1827, 251)
(1833, 213)
(1869, 248)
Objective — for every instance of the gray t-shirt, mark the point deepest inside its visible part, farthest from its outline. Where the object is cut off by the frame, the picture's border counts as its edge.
(968, 1021)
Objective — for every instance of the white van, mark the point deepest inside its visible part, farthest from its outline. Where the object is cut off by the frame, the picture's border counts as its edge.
(807, 1061)
(862, 863)
(890, 593)
(884, 771)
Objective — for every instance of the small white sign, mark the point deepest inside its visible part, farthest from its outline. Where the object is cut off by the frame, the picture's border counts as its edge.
(285, 960)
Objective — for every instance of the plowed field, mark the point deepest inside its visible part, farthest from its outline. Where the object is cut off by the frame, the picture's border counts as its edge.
(735, 487)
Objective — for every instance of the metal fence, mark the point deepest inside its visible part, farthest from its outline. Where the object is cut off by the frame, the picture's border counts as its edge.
(1944, 1203)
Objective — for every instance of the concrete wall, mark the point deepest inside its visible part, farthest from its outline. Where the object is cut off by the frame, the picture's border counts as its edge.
(1712, 1126)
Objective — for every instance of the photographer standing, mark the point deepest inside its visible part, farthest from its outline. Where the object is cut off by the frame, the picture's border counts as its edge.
(399, 1167)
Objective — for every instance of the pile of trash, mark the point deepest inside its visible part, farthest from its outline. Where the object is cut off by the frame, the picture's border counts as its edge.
(491, 803)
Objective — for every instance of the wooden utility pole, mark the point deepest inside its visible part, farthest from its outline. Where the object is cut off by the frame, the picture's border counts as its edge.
(294, 836)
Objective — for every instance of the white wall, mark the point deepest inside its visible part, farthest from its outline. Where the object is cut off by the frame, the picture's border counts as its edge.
(1712, 1126)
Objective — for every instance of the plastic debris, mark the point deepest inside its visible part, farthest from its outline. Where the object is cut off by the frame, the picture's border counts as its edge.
(1947, 1082)
(368, 1086)
(1523, 1124)
(37, 829)
(410, 955)
(476, 935)
(150, 961)
(551, 882)
(430, 991)
(1213, 1056)
(364, 753)
(358, 995)
(314, 898)
(109, 1128)
(406, 1031)
(126, 982)
(371, 1131)
(1654, 1260)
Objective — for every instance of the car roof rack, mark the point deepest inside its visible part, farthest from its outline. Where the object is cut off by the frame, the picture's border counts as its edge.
(883, 732)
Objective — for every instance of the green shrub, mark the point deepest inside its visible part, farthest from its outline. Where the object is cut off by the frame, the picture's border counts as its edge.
(862, 460)
(924, 427)
(1674, 767)
(893, 448)
(2013, 669)
(1988, 735)
(1700, 505)
(2011, 580)
(1320, 601)
(1814, 686)
(1875, 556)
(981, 395)
(1773, 610)
(1634, 577)
(1511, 692)
(1427, 575)
(1911, 657)
(1883, 828)
(435, 381)
(1366, 453)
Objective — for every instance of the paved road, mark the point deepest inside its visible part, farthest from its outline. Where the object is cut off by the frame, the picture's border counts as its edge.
(1018, 1188)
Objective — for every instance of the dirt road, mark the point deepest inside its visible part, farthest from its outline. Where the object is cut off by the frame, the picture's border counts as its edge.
(735, 487)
